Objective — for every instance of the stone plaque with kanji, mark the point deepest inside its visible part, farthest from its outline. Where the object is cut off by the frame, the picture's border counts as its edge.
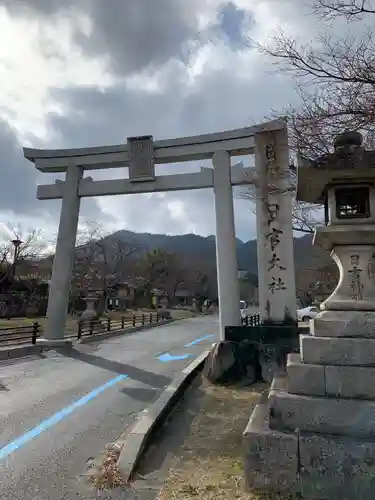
(141, 152)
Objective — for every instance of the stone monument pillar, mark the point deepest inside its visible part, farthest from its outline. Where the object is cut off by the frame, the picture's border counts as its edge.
(315, 435)
(277, 289)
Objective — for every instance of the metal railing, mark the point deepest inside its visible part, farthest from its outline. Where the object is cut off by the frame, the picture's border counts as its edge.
(29, 334)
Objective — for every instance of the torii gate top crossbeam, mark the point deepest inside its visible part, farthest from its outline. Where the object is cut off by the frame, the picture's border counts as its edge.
(237, 142)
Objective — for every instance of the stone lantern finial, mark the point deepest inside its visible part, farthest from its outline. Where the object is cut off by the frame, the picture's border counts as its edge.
(348, 142)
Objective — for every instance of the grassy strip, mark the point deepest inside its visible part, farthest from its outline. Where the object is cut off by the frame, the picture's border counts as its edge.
(209, 465)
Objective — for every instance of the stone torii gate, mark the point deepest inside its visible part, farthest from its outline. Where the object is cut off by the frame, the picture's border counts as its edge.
(267, 141)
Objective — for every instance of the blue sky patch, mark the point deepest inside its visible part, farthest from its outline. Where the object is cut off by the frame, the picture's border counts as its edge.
(231, 24)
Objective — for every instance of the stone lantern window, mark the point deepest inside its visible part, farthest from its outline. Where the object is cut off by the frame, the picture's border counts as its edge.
(352, 202)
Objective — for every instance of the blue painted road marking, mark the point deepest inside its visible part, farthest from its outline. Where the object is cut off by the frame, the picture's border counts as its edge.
(57, 417)
(200, 339)
(166, 357)
(60, 415)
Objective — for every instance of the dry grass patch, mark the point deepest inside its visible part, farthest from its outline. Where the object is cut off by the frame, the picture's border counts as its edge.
(182, 313)
(71, 323)
(14, 322)
(210, 462)
(105, 475)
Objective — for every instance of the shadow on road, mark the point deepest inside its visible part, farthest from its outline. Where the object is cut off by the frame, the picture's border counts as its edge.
(144, 376)
(141, 394)
(18, 361)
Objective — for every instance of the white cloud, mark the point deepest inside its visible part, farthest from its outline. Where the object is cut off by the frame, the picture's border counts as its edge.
(37, 56)
(200, 84)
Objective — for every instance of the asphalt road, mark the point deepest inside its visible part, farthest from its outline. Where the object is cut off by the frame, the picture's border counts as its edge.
(59, 411)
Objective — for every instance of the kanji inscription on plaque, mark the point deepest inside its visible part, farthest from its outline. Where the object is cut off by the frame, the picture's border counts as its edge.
(141, 152)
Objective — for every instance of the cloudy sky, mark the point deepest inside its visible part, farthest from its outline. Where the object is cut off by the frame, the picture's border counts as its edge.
(77, 73)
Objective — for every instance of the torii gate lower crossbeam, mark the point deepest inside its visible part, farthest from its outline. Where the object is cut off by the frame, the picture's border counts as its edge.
(275, 246)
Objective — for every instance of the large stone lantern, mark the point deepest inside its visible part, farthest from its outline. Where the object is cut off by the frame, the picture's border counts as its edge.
(344, 182)
(91, 301)
(315, 435)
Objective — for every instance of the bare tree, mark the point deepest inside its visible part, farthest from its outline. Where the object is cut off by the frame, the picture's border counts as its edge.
(102, 260)
(84, 266)
(334, 76)
(176, 274)
(155, 267)
(335, 79)
(21, 248)
(4, 262)
(202, 278)
(305, 216)
(170, 272)
(349, 9)
(21, 281)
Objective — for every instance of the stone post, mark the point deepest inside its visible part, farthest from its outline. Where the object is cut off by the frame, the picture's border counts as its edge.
(277, 290)
(226, 250)
(63, 261)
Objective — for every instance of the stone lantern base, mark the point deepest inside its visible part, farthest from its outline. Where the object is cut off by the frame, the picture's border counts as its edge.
(341, 324)
(90, 311)
(52, 343)
(310, 464)
(315, 432)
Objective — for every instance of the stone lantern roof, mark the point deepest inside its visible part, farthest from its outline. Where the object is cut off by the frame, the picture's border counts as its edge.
(350, 163)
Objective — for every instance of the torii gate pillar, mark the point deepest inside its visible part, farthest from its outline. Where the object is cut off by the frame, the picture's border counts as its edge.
(226, 248)
(59, 290)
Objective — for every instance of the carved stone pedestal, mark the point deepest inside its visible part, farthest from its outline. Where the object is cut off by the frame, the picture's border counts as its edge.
(90, 311)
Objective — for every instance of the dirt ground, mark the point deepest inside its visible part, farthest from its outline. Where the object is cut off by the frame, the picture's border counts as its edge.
(209, 463)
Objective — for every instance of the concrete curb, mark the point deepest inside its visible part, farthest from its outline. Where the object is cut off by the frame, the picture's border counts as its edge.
(117, 333)
(20, 351)
(138, 439)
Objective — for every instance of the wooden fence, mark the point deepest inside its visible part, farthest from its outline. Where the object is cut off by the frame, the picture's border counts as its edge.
(29, 334)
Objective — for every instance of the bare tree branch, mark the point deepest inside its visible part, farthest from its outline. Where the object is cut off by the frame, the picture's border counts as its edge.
(31, 247)
(352, 10)
(334, 77)
(305, 216)
(102, 261)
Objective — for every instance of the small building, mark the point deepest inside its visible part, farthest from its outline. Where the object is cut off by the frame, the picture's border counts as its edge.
(183, 298)
(120, 297)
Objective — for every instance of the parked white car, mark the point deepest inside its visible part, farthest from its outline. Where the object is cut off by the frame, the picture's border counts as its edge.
(247, 310)
(243, 306)
(307, 313)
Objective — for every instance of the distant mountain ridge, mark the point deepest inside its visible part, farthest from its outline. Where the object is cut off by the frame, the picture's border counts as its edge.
(195, 246)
